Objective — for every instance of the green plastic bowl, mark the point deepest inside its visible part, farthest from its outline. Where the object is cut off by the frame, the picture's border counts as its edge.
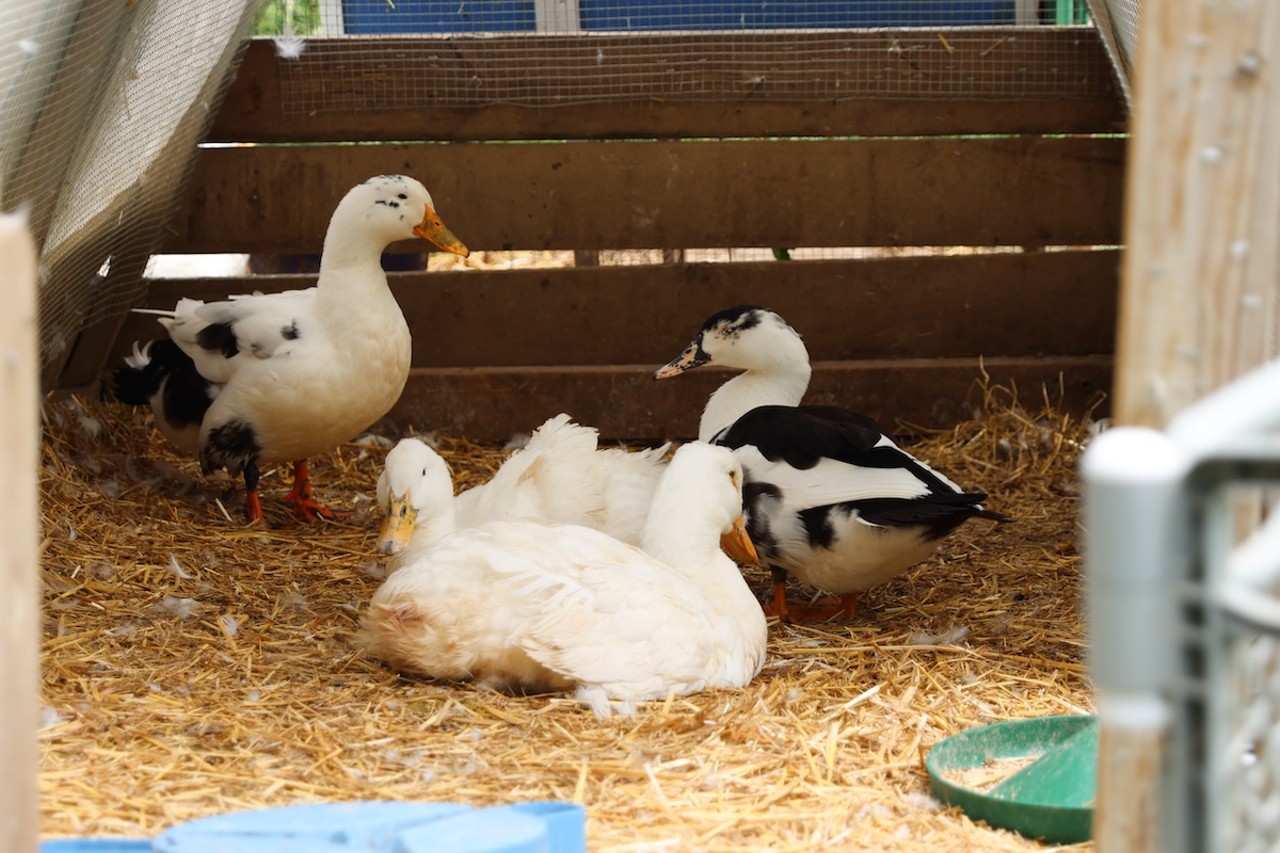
(1050, 798)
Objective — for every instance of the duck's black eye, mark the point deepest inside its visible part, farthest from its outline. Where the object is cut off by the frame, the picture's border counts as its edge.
(424, 472)
(402, 197)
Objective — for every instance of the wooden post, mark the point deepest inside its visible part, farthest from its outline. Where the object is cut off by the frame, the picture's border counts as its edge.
(1200, 285)
(19, 538)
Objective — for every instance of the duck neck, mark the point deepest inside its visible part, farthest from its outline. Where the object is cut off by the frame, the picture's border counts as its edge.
(781, 384)
(351, 257)
(678, 537)
(433, 526)
(353, 292)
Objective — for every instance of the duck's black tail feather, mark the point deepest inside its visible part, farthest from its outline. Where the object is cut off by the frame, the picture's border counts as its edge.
(992, 515)
(144, 372)
(162, 364)
(938, 514)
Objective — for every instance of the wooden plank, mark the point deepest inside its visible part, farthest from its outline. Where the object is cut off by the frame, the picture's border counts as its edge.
(862, 82)
(624, 402)
(1043, 303)
(1200, 301)
(19, 533)
(1202, 288)
(676, 195)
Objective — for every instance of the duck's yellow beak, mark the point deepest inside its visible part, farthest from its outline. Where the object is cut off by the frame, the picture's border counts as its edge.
(737, 544)
(398, 526)
(433, 230)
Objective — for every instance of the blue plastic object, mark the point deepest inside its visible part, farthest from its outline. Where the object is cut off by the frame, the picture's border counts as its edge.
(95, 845)
(379, 17)
(371, 827)
(789, 14)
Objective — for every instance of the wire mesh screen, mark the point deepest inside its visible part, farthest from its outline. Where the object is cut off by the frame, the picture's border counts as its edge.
(1242, 793)
(101, 107)
(678, 49)
(1249, 817)
(1124, 14)
(1117, 21)
(1223, 784)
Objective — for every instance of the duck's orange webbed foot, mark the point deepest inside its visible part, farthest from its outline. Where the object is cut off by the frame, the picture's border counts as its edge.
(820, 610)
(253, 508)
(253, 503)
(302, 501)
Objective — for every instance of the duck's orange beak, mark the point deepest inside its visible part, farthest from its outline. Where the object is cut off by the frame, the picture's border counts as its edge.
(398, 526)
(737, 544)
(433, 230)
(692, 357)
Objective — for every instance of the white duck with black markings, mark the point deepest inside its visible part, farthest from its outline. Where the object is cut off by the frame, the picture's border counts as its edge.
(830, 497)
(279, 377)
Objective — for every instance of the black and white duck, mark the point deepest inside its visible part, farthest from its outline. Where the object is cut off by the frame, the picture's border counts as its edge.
(830, 497)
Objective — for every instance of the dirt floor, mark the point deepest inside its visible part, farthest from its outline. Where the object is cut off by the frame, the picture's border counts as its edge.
(193, 665)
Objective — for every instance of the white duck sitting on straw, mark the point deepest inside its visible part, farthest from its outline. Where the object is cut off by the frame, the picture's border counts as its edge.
(561, 474)
(525, 606)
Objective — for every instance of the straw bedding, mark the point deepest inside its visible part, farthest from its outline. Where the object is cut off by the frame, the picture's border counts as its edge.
(193, 666)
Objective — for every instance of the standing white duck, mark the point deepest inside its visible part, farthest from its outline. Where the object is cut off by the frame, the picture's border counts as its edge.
(829, 497)
(520, 605)
(561, 475)
(269, 378)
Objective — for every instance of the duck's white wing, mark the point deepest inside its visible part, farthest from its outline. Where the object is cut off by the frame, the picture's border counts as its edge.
(219, 336)
(549, 478)
(830, 481)
(627, 480)
(638, 639)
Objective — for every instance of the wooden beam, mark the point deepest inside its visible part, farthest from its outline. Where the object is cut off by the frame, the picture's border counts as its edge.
(1202, 283)
(624, 402)
(862, 82)
(678, 195)
(19, 533)
(1200, 300)
(1040, 303)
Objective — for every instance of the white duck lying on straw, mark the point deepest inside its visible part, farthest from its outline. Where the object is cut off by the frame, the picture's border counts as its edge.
(561, 475)
(520, 605)
(267, 378)
(830, 497)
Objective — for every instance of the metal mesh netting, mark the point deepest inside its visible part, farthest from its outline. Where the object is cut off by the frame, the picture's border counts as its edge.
(686, 70)
(683, 68)
(1117, 22)
(101, 107)
(1250, 797)
(1124, 15)
(1242, 794)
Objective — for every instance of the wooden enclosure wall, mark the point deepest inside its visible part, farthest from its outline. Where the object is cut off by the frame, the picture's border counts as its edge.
(901, 338)
(20, 533)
